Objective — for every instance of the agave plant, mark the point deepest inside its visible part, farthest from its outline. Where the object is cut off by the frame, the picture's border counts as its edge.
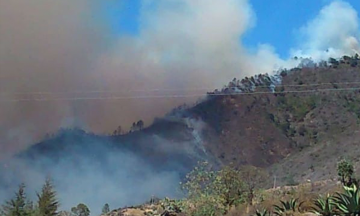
(263, 212)
(324, 206)
(287, 206)
(348, 203)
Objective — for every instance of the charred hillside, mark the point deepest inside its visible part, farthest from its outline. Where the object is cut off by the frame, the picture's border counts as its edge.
(304, 124)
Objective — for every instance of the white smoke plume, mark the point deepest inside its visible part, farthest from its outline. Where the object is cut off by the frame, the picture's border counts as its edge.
(334, 32)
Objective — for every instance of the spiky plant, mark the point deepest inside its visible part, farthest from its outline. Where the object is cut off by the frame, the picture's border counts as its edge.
(324, 206)
(287, 206)
(263, 212)
(348, 203)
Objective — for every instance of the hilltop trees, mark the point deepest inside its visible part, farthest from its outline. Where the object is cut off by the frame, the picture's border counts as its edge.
(80, 210)
(118, 131)
(137, 126)
(105, 209)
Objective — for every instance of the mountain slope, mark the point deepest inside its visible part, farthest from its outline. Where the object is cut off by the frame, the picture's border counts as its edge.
(267, 124)
(292, 124)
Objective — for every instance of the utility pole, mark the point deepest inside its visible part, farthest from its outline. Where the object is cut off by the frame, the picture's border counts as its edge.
(274, 181)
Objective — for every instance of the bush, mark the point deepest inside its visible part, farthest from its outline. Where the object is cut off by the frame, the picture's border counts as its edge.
(345, 171)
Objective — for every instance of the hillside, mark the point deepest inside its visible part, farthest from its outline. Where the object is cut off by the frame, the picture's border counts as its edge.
(296, 124)
(261, 128)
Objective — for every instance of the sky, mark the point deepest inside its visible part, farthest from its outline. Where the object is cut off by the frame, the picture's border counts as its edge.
(276, 23)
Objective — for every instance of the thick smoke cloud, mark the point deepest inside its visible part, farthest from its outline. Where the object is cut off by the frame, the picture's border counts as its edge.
(334, 32)
(119, 179)
(44, 46)
(55, 46)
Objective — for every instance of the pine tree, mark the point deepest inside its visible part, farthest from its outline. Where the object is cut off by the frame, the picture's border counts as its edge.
(106, 209)
(19, 206)
(47, 201)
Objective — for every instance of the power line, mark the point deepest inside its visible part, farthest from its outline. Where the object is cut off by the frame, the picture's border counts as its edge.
(167, 89)
(176, 96)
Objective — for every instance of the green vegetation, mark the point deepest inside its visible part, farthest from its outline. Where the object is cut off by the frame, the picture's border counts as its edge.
(297, 107)
(324, 206)
(47, 204)
(231, 191)
(348, 203)
(345, 172)
(217, 192)
(262, 212)
(19, 206)
(287, 207)
(47, 201)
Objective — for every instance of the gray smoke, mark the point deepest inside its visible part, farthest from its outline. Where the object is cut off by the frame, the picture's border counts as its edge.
(57, 46)
(92, 170)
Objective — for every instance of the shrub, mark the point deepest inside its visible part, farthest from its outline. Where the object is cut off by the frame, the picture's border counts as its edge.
(215, 192)
(286, 207)
(348, 203)
(345, 171)
(324, 206)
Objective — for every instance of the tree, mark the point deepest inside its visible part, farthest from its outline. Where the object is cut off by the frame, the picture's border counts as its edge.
(19, 206)
(253, 178)
(119, 131)
(47, 201)
(213, 192)
(133, 127)
(333, 61)
(345, 171)
(80, 210)
(229, 186)
(198, 180)
(140, 125)
(106, 209)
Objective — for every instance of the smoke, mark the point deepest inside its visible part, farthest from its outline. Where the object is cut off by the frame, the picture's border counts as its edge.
(334, 32)
(95, 170)
(124, 179)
